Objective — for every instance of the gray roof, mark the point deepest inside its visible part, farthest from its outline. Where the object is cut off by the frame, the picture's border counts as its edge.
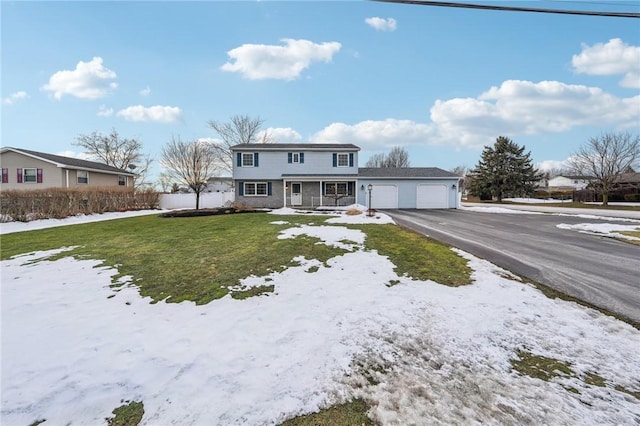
(70, 162)
(295, 146)
(404, 172)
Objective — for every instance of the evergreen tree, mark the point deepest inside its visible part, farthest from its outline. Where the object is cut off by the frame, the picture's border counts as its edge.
(504, 170)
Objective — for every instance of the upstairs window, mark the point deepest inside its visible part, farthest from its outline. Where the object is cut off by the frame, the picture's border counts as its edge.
(343, 159)
(247, 159)
(83, 177)
(122, 180)
(295, 157)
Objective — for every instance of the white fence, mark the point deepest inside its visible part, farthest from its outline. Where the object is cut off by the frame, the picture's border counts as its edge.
(188, 201)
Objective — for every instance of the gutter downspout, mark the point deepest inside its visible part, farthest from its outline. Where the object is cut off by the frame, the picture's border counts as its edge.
(67, 177)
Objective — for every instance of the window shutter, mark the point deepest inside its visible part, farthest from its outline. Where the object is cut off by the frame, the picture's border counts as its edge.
(269, 188)
(302, 157)
(19, 175)
(39, 176)
(241, 189)
(255, 159)
(239, 159)
(351, 159)
(335, 160)
(5, 175)
(290, 158)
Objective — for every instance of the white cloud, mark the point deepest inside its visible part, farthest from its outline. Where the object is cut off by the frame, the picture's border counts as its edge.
(376, 134)
(611, 58)
(14, 97)
(527, 108)
(282, 135)
(157, 113)
(104, 111)
(516, 108)
(73, 154)
(381, 24)
(260, 62)
(146, 91)
(547, 165)
(90, 80)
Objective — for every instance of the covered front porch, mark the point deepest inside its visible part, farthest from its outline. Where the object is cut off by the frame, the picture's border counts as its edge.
(313, 192)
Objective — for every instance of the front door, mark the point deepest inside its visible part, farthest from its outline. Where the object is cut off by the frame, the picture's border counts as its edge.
(296, 194)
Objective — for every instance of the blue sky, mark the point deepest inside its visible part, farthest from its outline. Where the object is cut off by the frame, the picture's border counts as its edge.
(440, 82)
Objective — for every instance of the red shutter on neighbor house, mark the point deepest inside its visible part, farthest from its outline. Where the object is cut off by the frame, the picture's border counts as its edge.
(5, 175)
(39, 176)
(19, 175)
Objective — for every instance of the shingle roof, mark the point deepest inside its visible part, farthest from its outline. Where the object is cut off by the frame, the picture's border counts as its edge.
(295, 146)
(404, 172)
(71, 162)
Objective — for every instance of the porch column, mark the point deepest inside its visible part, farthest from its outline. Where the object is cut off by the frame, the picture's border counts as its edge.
(321, 197)
(284, 193)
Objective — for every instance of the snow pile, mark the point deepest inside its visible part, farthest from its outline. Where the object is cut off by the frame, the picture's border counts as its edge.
(605, 229)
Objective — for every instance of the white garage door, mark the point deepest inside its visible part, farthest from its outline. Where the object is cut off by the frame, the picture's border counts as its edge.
(432, 196)
(384, 197)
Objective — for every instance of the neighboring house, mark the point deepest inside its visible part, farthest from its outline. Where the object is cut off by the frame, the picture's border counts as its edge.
(219, 184)
(312, 175)
(629, 180)
(568, 183)
(24, 169)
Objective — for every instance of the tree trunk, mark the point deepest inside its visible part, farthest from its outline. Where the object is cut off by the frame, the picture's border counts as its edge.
(197, 200)
(605, 199)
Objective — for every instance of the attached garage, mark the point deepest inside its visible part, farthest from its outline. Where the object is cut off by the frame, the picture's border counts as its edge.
(408, 188)
(386, 196)
(432, 196)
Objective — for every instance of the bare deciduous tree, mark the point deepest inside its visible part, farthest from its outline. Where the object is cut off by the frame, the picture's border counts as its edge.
(397, 157)
(605, 157)
(239, 129)
(112, 150)
(192, 163)
(465, 180)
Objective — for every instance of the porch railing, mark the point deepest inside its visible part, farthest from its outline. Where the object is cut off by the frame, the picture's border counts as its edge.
(331, 201)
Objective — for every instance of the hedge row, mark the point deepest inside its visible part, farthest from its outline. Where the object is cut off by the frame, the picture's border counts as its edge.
(58, 203)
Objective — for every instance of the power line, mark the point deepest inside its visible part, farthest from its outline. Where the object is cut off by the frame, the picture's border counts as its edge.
(514, 8)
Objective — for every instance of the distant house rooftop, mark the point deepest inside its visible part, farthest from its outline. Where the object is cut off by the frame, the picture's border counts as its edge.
(70, 162)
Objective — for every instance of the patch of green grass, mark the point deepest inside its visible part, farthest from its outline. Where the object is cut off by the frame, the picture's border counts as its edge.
(353, 413)
(541, 367)
(179, 259)
(545, 368)
(417, 256)
(252, 291)
(128, 414)
(631, 234)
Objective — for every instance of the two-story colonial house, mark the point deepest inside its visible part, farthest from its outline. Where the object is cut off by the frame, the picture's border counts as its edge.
(313, 175)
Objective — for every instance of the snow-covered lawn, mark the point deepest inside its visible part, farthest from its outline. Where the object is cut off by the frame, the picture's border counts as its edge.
(73, 348)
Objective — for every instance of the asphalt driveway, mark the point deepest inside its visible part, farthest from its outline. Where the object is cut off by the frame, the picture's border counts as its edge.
(598, 270)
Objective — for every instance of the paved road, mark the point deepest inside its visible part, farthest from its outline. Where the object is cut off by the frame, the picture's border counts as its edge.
(599, 270)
